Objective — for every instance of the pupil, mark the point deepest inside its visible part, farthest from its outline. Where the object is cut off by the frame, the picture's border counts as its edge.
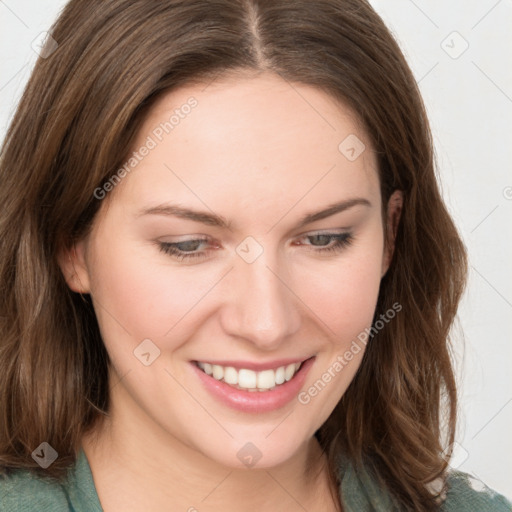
(325, 238)
(190, 245)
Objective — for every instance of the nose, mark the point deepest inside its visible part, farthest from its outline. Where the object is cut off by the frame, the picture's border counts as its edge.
(262, 307)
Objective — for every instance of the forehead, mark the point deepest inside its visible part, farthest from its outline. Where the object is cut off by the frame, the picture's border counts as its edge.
(258, 144)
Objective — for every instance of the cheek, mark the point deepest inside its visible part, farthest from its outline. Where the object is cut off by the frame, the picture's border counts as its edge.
(344, 293)
(145, 296)
(344, 299)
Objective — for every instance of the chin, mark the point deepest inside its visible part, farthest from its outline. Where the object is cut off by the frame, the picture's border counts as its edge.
(255, 448)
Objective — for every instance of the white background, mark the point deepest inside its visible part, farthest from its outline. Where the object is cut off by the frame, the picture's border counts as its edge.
(469, 100)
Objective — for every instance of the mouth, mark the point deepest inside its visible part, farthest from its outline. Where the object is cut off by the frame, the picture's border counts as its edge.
(247, 379)
(253, 387)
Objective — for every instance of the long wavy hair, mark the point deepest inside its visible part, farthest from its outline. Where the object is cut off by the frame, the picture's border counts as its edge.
(75, 126)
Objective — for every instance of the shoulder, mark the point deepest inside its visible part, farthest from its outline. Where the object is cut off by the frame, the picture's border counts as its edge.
(21, 491)
(461, 492)
(24, 491)
(465, 492)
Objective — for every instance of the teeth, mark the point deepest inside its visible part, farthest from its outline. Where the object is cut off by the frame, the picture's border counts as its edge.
(289, 372)
(249, 379)
(266, 379)
(230, 375)
(218, 372)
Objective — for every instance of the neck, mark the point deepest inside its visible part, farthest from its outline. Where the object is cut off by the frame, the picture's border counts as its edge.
(138, 466)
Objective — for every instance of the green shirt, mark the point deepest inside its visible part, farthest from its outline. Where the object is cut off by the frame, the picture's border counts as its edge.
(22, 491)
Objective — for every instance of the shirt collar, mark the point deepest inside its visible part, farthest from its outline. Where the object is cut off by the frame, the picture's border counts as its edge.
(80, 488)
(358, 490)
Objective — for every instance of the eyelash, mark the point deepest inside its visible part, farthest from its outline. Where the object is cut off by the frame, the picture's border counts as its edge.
(342, 240)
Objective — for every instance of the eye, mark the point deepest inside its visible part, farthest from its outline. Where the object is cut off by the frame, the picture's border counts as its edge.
(329, 242)
(321, 243)
(185, 249)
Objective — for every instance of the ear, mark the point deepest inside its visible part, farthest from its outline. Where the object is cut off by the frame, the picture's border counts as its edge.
(394, 212)
(73, 265)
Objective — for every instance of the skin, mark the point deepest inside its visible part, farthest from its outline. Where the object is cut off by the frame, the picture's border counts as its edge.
(261, 154)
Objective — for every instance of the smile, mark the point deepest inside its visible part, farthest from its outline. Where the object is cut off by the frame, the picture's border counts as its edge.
(233, 383)
(250, 380)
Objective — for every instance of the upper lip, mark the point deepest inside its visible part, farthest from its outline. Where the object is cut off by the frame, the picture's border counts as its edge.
(257, 367)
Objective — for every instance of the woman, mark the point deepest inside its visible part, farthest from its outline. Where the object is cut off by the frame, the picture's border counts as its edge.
(228, 273)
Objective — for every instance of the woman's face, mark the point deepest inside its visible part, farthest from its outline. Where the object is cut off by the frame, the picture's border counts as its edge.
(256, 279)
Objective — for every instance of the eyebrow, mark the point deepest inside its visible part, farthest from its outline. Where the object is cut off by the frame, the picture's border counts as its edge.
(212, 219)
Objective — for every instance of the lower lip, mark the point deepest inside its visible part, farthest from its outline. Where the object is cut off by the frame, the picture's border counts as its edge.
(256, 401)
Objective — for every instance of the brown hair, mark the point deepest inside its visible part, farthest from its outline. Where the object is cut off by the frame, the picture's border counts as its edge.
(75, 126)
